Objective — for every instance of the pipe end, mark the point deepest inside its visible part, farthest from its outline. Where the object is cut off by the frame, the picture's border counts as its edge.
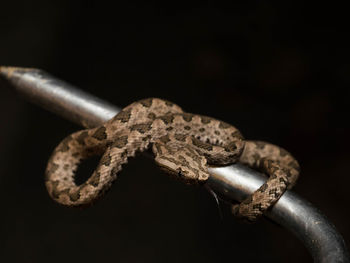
(8, 72)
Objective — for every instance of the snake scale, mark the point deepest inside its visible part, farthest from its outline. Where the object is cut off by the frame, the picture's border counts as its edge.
(184, 145)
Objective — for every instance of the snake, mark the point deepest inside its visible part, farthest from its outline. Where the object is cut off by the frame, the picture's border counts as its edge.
(184, 145)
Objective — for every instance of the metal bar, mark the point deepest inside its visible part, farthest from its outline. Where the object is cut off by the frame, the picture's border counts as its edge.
(232, 183)
(59, 97)
(300, 217)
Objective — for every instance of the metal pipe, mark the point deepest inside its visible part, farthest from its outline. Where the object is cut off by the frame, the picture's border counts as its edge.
(232, 183)
(300, 217)
(59, 97)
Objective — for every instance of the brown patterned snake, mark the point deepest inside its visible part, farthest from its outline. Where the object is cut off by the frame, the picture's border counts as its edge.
(184, 145)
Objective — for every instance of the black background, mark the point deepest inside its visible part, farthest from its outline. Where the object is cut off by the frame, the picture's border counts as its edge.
(279, 72)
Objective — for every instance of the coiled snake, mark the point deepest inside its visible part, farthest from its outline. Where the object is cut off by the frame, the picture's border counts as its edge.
(183, 144)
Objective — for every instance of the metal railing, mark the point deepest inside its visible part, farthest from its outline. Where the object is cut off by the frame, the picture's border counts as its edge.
(232, 183)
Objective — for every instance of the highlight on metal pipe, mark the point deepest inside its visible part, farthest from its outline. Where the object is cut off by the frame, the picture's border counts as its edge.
(232, 183)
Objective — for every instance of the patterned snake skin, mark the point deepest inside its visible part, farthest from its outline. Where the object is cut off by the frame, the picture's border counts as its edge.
(184, 145)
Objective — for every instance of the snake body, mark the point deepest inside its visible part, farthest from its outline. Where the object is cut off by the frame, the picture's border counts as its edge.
(184, 145)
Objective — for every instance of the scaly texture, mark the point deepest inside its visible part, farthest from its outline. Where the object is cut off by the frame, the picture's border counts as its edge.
(184, 145)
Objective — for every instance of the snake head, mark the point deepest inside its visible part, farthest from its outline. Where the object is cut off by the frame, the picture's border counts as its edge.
(183, 163)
